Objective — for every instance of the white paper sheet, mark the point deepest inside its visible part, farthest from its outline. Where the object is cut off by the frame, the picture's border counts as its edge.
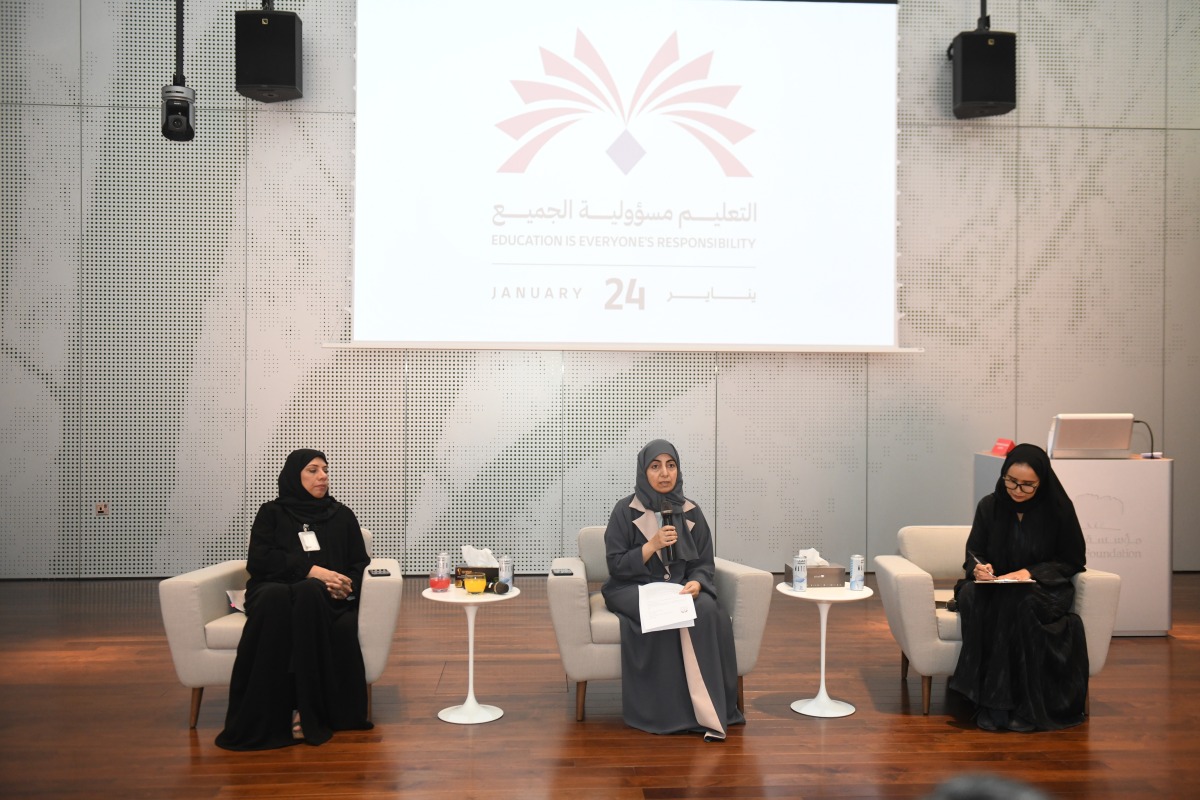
(663, 608)
(1009, 580)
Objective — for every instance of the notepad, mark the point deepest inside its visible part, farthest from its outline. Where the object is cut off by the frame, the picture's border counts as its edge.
(1010, 580)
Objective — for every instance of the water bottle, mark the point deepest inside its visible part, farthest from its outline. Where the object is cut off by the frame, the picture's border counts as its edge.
(506, 571)
(857, 568)
(800, 574)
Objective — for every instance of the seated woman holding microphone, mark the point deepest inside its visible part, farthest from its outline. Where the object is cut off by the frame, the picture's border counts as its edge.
(678, 680)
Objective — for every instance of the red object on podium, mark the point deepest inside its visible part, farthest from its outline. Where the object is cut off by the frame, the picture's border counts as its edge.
(1003, 446)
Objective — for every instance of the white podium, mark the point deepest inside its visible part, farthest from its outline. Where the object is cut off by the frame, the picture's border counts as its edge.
(1124, 508)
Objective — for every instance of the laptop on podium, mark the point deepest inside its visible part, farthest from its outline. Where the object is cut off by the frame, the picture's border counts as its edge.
(1090, 436)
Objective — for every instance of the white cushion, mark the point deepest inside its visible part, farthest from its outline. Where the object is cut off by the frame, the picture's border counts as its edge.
(948, 626)
(606, 626)
(224, 633)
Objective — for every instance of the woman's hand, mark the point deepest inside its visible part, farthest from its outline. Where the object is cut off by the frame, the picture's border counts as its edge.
(692, 588)
(983, 572)
(337, 584)
(665, 537)
(1019, 575)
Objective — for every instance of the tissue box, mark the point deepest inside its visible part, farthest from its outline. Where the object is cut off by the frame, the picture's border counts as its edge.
(819, 577)
(491, 573)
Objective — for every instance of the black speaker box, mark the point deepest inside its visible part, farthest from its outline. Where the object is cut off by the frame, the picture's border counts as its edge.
(268, 48)
(985, 73)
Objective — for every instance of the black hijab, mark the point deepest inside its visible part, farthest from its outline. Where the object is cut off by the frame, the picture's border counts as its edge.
(1050, 492)
(295, 498)
(1049, 526)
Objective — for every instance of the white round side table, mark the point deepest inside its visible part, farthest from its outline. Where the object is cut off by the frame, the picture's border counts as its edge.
(823, 705)
(471, 712)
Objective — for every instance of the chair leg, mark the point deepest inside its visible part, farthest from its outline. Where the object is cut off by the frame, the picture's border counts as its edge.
(197, 696)
(741, 696)
(926, 690)
(580, 694)
(903, 666)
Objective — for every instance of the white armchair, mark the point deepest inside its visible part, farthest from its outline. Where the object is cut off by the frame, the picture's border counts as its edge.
(589, 635)
(930, 636)
(203, 631)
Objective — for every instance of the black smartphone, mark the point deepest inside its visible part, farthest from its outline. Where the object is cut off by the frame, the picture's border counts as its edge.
(561, 571)
(379, 572)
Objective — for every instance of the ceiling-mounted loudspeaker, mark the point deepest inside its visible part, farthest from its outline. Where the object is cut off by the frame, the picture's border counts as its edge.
(985, 73)
(268, 54)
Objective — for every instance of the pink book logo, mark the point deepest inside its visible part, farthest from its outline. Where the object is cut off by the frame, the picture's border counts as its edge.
(679, 94)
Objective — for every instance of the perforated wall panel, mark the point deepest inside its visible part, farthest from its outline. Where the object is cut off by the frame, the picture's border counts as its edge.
(148, 271)
(1090, 275)
(1183, 64)
(1065, 49)
(1181, 369)
(39, 360)
(483, 464)
(616, 403)
(791, 450)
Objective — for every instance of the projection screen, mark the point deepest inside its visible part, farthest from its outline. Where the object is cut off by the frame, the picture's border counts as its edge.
(656, 174)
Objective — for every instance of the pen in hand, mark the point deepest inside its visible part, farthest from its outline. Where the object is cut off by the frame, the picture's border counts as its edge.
(979, 561)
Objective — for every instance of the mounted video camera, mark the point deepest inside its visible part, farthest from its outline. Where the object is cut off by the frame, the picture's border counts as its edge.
(178, 113)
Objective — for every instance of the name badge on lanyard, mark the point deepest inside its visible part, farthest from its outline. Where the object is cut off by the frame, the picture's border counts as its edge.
(308, 540)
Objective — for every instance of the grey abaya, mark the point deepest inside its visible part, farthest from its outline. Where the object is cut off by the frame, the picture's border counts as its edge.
(675, 680)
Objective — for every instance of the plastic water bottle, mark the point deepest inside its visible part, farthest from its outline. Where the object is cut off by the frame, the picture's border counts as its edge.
(858, 566)
(800, 574)
(506, 571)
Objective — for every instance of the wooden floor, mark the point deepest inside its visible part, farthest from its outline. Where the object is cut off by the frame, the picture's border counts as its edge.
(90, 707)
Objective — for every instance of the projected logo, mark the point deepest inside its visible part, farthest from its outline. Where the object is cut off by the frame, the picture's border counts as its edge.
(585, 86)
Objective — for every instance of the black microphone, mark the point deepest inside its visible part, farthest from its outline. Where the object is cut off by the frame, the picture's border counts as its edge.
(666, 515)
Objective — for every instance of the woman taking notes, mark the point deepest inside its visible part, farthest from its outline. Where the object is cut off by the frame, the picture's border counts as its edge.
(1024, 658)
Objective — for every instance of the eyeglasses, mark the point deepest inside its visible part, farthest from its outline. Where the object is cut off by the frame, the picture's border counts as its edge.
(1023, 488)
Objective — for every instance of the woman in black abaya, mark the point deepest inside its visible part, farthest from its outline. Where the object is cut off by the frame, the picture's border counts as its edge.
(299, 673)
(673, 680)
(1024, 658)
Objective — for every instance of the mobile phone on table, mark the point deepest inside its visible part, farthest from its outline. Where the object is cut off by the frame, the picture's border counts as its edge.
(379, 572)
(561, 571)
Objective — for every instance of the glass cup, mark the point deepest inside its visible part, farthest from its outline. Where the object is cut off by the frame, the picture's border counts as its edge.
(439, 581)
(474, 582)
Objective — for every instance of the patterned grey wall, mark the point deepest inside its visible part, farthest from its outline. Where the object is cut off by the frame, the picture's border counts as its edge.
(1181, 368)
(483, 455)
(1092, 63)
(1090, 275)
(164, 310)
(39, 351)
(791, 456)
(615, 403)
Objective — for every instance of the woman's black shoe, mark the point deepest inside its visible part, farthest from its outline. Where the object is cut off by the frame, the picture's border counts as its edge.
(1019, 725)
(983, 718)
